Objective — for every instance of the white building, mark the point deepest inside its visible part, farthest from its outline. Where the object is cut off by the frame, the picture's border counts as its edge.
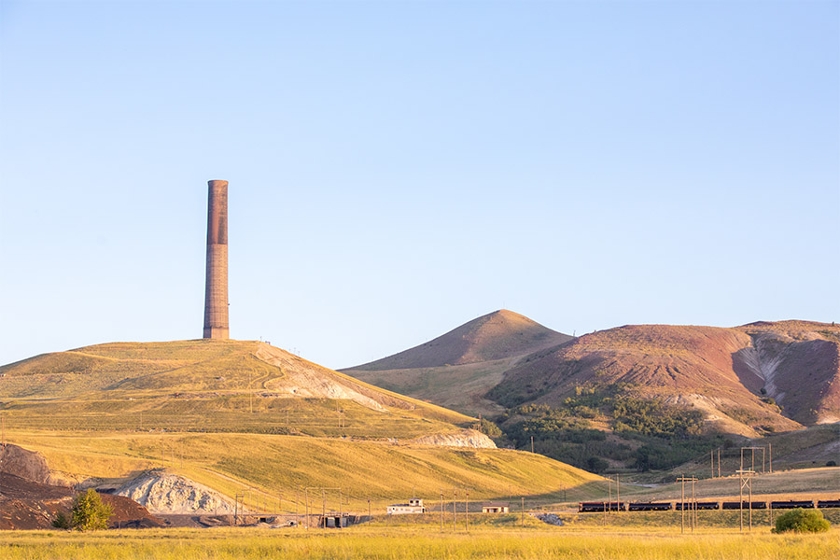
(414, 505)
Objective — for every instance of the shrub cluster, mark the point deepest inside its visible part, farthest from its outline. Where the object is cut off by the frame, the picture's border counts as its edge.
(802, 521)
(667, 435)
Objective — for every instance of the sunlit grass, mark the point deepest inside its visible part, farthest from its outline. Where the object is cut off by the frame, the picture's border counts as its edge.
(376, 543)
(275, 465)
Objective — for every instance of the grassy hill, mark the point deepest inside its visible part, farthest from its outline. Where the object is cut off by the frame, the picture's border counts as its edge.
(208, 386)
(245, 417)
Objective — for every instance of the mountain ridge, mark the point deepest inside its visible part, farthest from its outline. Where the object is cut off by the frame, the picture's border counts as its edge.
(746, 379)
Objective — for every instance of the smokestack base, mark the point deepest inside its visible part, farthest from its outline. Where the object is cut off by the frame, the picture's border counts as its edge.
(218, 333)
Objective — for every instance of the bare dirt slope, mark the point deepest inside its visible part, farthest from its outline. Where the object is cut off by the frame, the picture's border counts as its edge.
(798, 364)
(27, 501)
(730, 374)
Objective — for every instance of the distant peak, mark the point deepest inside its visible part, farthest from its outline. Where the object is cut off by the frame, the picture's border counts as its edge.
(496, 335)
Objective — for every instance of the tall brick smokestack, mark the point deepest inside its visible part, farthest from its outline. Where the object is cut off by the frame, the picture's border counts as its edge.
(216, 324)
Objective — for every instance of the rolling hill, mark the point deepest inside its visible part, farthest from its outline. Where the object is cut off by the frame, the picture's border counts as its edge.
(458, 368)
(239, 416)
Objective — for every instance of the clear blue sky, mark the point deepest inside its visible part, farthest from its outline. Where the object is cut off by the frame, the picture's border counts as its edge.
(399, 168)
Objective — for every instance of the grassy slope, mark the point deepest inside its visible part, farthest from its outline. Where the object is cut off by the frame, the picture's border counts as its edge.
(460, 387)
(231, 463)
(202, 385)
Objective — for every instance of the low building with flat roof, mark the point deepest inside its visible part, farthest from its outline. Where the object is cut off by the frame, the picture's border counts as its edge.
(414, 505)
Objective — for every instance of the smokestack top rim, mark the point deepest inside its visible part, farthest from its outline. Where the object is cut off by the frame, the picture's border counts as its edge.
(219, 182)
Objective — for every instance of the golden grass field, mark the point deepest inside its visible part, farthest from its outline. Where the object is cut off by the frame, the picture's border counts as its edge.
(378, 541)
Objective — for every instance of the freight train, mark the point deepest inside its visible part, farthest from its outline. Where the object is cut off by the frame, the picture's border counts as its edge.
(594, 507)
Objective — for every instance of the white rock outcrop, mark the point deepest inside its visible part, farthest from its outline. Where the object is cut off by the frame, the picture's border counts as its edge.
(165, 493)
(465, 438)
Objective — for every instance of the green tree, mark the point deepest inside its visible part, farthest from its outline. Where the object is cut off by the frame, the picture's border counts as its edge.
(802, 521)
(61, 521)
(89, 512)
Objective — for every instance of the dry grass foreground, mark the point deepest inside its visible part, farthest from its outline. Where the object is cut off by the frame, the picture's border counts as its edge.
(379, 542)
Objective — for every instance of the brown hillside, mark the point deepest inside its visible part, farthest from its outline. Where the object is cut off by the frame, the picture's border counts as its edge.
(716, 370)
(797, 363)
(498, 335)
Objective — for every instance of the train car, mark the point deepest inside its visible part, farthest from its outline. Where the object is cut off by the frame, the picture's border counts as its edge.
(828, 504)
(793, 504)
(649, 506)
(697, 505)
(747, 505)
(590, 507)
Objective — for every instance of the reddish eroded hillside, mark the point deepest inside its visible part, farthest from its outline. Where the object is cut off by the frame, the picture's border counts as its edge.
(683, 364)
(798, 365)
(497, 335)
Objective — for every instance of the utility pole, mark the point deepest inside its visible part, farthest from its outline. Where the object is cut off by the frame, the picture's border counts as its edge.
(682, 480)
(522, 512)
(454, 511)
(306, 506)
(532, 444)
(467, 512)
(618, 491)
(745, 481)
(693, 505)
(441, 510)
(770, 449)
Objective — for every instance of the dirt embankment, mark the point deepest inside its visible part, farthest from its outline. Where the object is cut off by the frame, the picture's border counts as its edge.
(28, 501)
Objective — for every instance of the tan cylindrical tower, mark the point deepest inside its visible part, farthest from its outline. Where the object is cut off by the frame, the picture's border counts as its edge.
(216, 323)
